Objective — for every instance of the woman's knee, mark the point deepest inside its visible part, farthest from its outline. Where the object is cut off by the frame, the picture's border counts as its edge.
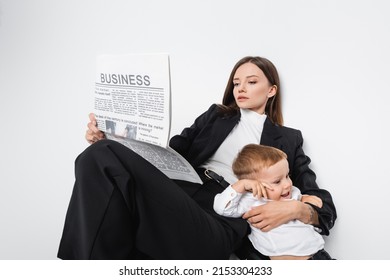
(99, 150)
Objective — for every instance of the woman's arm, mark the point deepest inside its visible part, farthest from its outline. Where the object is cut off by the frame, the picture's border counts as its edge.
(312, 200)
(305, 179)
(276, 213)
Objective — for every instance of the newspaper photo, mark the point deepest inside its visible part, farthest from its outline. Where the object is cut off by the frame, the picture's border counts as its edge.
(132, 105)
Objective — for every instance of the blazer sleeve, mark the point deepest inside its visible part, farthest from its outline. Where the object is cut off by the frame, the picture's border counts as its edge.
(305, 179)
(183, 143)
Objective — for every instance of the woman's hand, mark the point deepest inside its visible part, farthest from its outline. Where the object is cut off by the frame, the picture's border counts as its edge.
(93, 134)
(275, 213)
(315, 200)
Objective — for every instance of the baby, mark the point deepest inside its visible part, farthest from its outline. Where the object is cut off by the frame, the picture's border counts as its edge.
(263, 174)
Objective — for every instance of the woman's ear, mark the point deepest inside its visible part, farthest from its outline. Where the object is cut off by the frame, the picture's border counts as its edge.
(272, 91)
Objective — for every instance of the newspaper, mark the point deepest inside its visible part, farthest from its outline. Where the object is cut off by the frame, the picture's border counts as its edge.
(132, 105)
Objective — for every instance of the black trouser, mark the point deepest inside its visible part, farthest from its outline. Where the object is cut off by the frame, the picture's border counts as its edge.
(321, 255)
(122, 207)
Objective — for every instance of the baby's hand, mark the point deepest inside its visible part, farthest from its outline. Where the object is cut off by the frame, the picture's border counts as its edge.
(257, 188)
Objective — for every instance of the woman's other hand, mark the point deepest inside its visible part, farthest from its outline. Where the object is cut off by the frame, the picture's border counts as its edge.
(93, 134)
(315, 200)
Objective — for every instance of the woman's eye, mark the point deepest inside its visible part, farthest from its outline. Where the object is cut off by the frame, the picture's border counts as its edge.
(235, 84)
(252, 82)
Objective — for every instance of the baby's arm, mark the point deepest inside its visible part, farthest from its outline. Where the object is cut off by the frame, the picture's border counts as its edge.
(227, 203)
(253, 186)
(233, 201)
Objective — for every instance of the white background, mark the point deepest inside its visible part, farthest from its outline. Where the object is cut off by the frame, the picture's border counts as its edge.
(332, 56)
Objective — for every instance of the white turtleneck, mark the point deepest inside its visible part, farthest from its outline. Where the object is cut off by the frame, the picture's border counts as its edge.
(247, 131)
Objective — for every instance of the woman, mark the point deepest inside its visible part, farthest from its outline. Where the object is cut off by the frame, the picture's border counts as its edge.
(122, 207)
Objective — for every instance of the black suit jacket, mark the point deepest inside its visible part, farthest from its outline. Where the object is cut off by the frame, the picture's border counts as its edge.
(200, 141)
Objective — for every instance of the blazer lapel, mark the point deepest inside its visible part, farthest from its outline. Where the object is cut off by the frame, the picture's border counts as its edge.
(221, 129)
(216, 134)
(271, 135)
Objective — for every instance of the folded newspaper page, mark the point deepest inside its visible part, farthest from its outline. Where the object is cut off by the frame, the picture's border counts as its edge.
(132, 105)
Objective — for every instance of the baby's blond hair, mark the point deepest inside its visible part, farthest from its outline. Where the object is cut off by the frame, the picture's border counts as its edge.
(253, 158)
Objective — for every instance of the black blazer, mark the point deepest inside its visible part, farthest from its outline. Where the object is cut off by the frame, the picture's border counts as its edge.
(200, 141)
